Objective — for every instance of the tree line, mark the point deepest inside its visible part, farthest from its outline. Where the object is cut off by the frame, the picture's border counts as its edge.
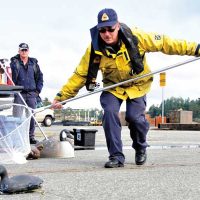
(179, 103)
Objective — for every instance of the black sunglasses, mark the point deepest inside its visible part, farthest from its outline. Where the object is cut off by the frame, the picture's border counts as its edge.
(109, 29)
(24, 50)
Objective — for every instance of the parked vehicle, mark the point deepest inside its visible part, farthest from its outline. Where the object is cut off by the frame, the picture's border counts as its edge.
(46, 117)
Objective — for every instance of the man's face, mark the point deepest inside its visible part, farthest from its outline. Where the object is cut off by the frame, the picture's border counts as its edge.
(24, 53)
(109, 34)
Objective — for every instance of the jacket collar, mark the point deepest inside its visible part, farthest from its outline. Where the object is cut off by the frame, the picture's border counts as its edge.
(95, 38)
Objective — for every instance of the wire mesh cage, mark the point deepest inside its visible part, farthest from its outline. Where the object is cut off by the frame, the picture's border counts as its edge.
(14, 133)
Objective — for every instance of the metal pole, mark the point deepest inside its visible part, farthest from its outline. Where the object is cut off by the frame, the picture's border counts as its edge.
(88, 115)
(163, 105)
(121, 83)
(85, 112)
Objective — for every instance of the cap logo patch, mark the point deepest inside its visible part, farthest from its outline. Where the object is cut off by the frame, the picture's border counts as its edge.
(104, 17)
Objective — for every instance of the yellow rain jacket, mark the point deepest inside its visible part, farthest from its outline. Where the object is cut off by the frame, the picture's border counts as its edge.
(116, 69)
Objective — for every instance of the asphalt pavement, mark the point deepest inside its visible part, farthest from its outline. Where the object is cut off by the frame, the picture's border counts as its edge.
(172, 170)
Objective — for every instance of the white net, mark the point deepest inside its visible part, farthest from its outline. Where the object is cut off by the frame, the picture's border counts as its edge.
(14, 133)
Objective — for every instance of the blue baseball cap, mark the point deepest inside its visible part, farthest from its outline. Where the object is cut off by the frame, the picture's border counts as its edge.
(107, 17)
(23, 46)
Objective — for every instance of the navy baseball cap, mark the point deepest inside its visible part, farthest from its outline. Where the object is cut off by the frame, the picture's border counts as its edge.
(23, 46)
(107, 17)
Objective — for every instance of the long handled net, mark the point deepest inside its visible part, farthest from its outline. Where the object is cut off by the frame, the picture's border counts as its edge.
(14, 133)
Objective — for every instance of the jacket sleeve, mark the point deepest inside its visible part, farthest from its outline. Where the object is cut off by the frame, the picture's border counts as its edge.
(40, 81)
(153, 42)
(77, 80)
(14, 71)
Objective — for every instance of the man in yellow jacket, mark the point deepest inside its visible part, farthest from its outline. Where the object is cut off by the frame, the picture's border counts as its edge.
(119, 52)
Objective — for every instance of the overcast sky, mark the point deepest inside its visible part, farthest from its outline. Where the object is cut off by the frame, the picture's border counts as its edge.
(58, 33)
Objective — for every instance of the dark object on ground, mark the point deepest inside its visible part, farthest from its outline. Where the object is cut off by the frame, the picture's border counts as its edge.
(84, 137)
(75, 123)
(18, 184)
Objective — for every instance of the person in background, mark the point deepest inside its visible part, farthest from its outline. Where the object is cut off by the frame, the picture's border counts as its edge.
(120, 53)
(26, 72)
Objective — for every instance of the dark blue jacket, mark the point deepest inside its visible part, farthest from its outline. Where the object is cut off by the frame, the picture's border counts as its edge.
(29, 76)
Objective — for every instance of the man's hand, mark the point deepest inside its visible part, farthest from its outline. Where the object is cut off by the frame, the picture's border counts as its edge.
(56, 105)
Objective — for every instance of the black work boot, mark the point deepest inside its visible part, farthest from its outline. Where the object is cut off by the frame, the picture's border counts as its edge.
(140, 156)
(33, 140)
(113, 163)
